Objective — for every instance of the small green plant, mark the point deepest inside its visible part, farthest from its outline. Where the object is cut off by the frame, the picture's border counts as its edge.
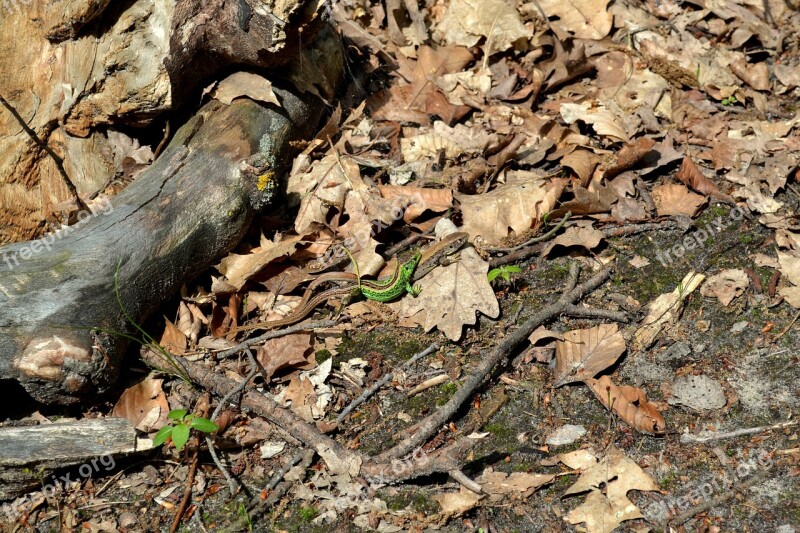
(182, 423)
(307, 514)
(242, 512)
(729, 100)
(504, 272)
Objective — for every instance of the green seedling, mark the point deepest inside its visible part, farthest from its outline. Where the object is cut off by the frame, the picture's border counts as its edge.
(503, 272)
(182, 423)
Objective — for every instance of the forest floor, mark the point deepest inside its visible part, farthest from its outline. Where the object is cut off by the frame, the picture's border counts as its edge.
(655, 139)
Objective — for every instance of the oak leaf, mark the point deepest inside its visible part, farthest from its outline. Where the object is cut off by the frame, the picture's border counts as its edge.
(608, 482)
(516, 206)
(450, 296)
(584, 353)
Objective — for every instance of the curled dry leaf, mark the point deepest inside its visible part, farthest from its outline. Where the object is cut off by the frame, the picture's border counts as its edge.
(583, 163)
(628, 156)
(584, 236)
(455, 503)
(518, 485)
(421, 199)
(585, 19)
(173, 339)
(690, 175)
(756, 75)
(584, 353)
(515, 206)
(144, 404)
(602, 120)
(289, 351)
(665, 311)
(630, 403)
(674, 199)
(451, 296)
(239, 268)
(467, 21)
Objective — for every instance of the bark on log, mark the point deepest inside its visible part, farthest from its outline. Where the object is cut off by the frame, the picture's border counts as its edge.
(177, 218)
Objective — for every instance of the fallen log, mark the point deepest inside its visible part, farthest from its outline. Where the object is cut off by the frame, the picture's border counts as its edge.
(49, 456)
(59, 306)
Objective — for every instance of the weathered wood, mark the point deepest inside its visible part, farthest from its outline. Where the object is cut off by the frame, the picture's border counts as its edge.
(125, 64)
(176, 219)
(30, 455)
(78, 71)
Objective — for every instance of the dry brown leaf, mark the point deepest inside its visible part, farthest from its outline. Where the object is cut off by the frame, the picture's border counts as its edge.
(418, 199)
(609, 481)
(674, 199)
(630, 403)
(790, 269)
(144, 404)
(629, 156)
(467, 21)
(516, 206)
(173, 339)
(690, 175)
(585, 19)
(587, 202)
(726, 285)
(602, 120)
(239, 268)
(756, 75)
(451, 296)
(290, 351)
(583, 235)
(664, 311)
(518, 485)
(456, 503)
(246, 84)
(583, 163)
(584, 353)
(300, 392)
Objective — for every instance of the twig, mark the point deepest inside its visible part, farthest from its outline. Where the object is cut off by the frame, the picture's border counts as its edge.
(430, 425)
(367, 394)
(405, 243)
(225, 399)
(786, 330)
(273, 335)
(515, 257)
(465, 481)
(688, 438)
(722, 498)
(589, 312)
(202, 410)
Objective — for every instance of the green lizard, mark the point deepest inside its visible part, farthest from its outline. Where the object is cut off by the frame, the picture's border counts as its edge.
(395, 286)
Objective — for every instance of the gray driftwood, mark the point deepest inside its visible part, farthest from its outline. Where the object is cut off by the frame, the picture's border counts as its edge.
(29, 456)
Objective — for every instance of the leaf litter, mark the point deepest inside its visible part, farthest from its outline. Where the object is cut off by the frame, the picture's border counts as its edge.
(505, 118)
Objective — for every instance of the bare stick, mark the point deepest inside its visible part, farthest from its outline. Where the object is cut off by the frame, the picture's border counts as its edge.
(367, 394)
(722, 498)
(688, 438)
(430, 425)
(273, 335)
